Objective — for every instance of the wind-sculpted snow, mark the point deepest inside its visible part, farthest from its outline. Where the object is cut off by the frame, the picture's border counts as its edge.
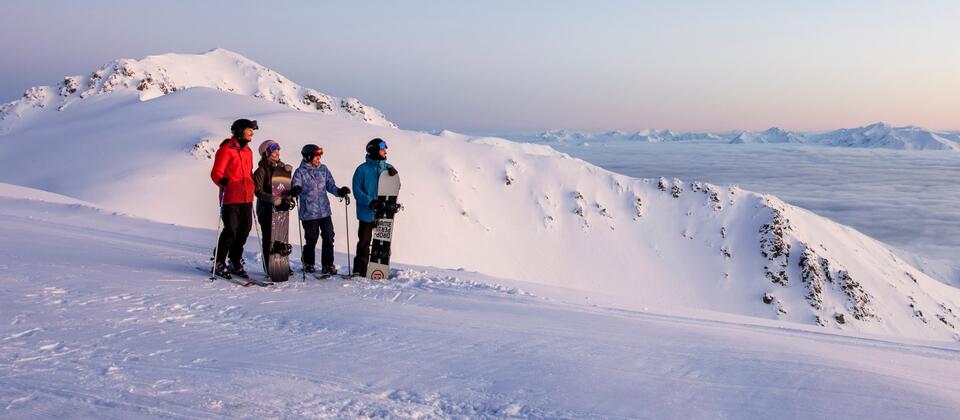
(155, 76)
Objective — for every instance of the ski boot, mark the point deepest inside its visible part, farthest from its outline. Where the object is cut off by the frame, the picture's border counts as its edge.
(309, 268)
(329, 270)
(222, 270)
(237, 268)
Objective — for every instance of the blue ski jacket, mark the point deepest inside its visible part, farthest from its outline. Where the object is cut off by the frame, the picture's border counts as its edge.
(366, 180)
(316, 182)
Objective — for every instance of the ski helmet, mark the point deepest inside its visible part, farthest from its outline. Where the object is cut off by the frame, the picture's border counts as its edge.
(311, 150)
(375, 146)
(268, 147)
(242, 124)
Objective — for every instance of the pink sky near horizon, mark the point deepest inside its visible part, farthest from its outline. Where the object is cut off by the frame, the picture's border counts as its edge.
(691, 65)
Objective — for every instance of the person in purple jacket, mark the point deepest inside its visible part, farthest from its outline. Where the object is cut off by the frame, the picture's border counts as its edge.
(313, 181)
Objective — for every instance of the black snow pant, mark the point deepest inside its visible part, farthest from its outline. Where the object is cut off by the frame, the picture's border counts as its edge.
(321, 228)
(364, 237)
(237, 221)
(265, 220)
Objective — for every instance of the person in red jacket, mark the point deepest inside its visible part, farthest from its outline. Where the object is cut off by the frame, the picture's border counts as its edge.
(233, 173)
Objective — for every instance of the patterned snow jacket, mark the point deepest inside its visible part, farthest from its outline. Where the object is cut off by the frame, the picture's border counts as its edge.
(316, 183)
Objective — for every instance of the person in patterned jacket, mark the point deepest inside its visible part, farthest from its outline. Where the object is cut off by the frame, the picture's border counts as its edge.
(313, 181)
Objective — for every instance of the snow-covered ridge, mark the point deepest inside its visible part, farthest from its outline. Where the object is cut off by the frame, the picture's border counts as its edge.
(877, 135)
(508, 209)
(159, 75)
(883, 135)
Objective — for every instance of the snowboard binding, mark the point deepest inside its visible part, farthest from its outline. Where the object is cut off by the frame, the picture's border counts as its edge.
(281, 248)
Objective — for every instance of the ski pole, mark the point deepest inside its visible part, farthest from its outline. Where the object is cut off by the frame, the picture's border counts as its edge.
(263, 252)
(303, 272)
(217, 244)
(346, 219)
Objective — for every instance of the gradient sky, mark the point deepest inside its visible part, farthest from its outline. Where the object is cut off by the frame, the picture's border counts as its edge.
(534, 65)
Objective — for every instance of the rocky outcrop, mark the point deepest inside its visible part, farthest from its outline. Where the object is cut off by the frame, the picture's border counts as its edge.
(775, 247)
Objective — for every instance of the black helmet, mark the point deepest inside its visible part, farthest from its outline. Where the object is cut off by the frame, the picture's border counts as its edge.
(311, 150)
(374, 146)
(242, 124)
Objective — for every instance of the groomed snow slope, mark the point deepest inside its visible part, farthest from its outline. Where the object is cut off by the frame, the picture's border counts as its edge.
(107, 318)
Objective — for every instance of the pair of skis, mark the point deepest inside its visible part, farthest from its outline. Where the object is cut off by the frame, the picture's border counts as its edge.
(239, 281)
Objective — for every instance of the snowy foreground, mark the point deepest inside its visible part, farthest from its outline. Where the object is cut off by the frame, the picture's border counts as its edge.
(105, 316)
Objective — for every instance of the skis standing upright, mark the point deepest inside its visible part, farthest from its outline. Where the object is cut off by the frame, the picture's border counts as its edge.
(388, 187)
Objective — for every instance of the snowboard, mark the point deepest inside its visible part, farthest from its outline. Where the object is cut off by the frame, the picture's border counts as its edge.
(278, 263)
(388, 187)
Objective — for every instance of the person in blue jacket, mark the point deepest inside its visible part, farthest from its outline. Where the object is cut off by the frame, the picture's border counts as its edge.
(312, 181)
(365, 182)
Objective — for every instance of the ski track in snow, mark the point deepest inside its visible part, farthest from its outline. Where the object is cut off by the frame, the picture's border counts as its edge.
(108, 318)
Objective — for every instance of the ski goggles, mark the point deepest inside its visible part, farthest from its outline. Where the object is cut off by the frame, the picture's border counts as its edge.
(383, 145)
(318, 152)
(273, 148)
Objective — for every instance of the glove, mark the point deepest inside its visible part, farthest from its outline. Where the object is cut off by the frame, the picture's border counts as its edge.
(343, 191)
(392, 171)
(223, 182)
(277, 201)
(375, 204)
(295, 191)
(286, 204)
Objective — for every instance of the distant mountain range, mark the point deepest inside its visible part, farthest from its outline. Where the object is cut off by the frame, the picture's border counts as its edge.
(877, 135)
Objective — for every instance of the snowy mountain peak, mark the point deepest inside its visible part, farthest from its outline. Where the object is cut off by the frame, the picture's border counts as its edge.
(159, 75)
(770, 135)
(884, 135)
(775, 131)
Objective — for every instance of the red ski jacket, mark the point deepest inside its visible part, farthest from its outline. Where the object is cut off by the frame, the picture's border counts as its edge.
(236, 164)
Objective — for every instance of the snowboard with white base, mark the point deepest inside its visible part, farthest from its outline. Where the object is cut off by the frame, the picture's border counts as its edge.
(388, 188)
